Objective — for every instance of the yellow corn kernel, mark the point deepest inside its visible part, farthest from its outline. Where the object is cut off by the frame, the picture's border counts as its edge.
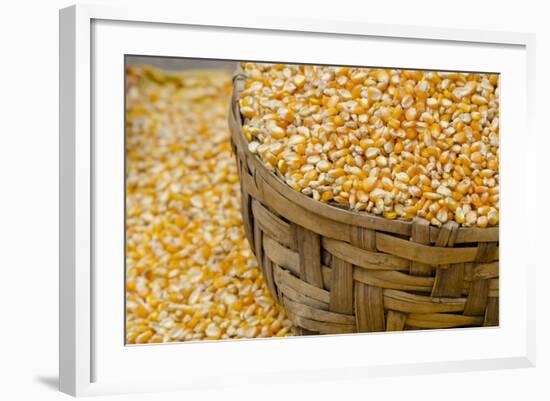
(159, 285)
(369, 122)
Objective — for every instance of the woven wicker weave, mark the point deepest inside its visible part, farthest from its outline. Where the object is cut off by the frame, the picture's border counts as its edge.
(339, 271)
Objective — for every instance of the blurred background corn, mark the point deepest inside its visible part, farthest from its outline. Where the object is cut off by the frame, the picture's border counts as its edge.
(396, 143)
(190, 274)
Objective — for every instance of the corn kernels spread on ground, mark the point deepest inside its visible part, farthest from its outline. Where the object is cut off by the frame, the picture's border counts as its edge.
(396, 143)
(190, 272)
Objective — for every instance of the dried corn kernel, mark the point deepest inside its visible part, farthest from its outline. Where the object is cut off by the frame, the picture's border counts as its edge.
(190, 270)
(414, 135)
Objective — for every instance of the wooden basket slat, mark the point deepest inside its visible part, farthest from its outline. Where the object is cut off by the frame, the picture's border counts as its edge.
(327, 278)
(395, 281)
(410, 303)
(477, 298)
(321, 327)
(273, 226)
(296, 296)
(493, 284)
(248, 185)
(420, 233)
(395, 321)
(447, 235)
(486, 251)
(431, 255)
(319, 314)
(309, 251)
(295, 283)
(363, 238)
(369, 308)
(473, 234)
(267, 270)
(441, 320)
(491, 313)
(281, 255)
(449, 281)
(485, 270)
(303, 217)
(341, 292)
(364, 258)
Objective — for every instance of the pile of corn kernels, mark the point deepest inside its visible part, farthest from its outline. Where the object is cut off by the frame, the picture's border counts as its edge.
(190, 273)
(396, 143)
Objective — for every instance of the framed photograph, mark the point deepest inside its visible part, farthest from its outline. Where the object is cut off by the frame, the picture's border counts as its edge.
(290, 199)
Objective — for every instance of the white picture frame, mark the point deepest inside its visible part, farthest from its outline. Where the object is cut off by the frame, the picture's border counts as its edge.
(93, 358)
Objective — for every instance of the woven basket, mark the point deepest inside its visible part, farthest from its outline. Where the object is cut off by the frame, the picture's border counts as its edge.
(338, 271)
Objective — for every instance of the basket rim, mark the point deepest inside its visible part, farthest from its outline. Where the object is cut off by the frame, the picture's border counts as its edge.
(327, 210)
